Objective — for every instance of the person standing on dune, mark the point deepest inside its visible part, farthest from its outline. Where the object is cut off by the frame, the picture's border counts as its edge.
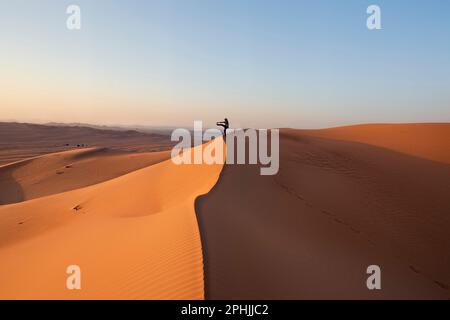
(225, 124)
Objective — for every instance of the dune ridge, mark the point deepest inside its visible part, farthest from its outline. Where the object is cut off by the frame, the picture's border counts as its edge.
(134, 237)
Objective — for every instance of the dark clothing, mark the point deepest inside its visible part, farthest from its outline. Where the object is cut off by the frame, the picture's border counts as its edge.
(225, 124)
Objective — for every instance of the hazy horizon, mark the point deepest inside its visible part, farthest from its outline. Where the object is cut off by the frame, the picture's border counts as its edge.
(299, 64)
(191, 127)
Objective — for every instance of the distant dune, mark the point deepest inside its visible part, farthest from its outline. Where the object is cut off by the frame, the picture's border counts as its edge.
(344, 199)
(134, 237)
(19, 141)
(425, 140)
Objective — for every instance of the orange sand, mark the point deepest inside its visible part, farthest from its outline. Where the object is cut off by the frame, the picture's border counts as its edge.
(134, 237)
(334, 208)
(63, 171)
(425, 140)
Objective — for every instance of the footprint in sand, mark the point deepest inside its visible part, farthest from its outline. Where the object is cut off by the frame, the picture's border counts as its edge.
(355, 230)
(442, 285)
(327, 213)
(414, 269)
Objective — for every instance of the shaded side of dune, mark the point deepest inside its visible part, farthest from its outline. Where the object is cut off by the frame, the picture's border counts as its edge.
(10, 190)
(311, 231)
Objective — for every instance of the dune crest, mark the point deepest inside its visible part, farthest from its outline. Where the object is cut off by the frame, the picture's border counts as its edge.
(134, 237)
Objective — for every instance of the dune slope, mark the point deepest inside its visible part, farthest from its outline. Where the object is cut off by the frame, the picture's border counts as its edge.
(68, 170)
(19, 141)
(424, 140)
(334, 208)
(134, 237)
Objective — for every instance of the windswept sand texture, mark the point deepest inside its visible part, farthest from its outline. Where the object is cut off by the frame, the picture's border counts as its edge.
(335, 208)
(134, 237)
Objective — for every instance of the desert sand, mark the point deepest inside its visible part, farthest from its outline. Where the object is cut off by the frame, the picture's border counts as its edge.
(134, 237)
(68, 170)
(141, 227)
(335, 207)
(20, 141)
(424, 140)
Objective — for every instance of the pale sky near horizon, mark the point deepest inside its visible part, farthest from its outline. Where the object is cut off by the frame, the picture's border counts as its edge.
(260, 63)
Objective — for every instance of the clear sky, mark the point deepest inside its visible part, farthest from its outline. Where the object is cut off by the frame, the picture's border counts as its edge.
(279, 63)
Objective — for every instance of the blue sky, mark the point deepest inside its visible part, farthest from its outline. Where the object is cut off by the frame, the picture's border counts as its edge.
(260, 63)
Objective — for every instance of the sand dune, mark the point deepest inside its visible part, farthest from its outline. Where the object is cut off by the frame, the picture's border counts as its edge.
(335, 208)
(134, 237)
(424, 140)
(68, 170)
(19, 141)
(344, 199)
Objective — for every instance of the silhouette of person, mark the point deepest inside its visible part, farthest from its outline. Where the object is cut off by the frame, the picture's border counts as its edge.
(225, 124)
